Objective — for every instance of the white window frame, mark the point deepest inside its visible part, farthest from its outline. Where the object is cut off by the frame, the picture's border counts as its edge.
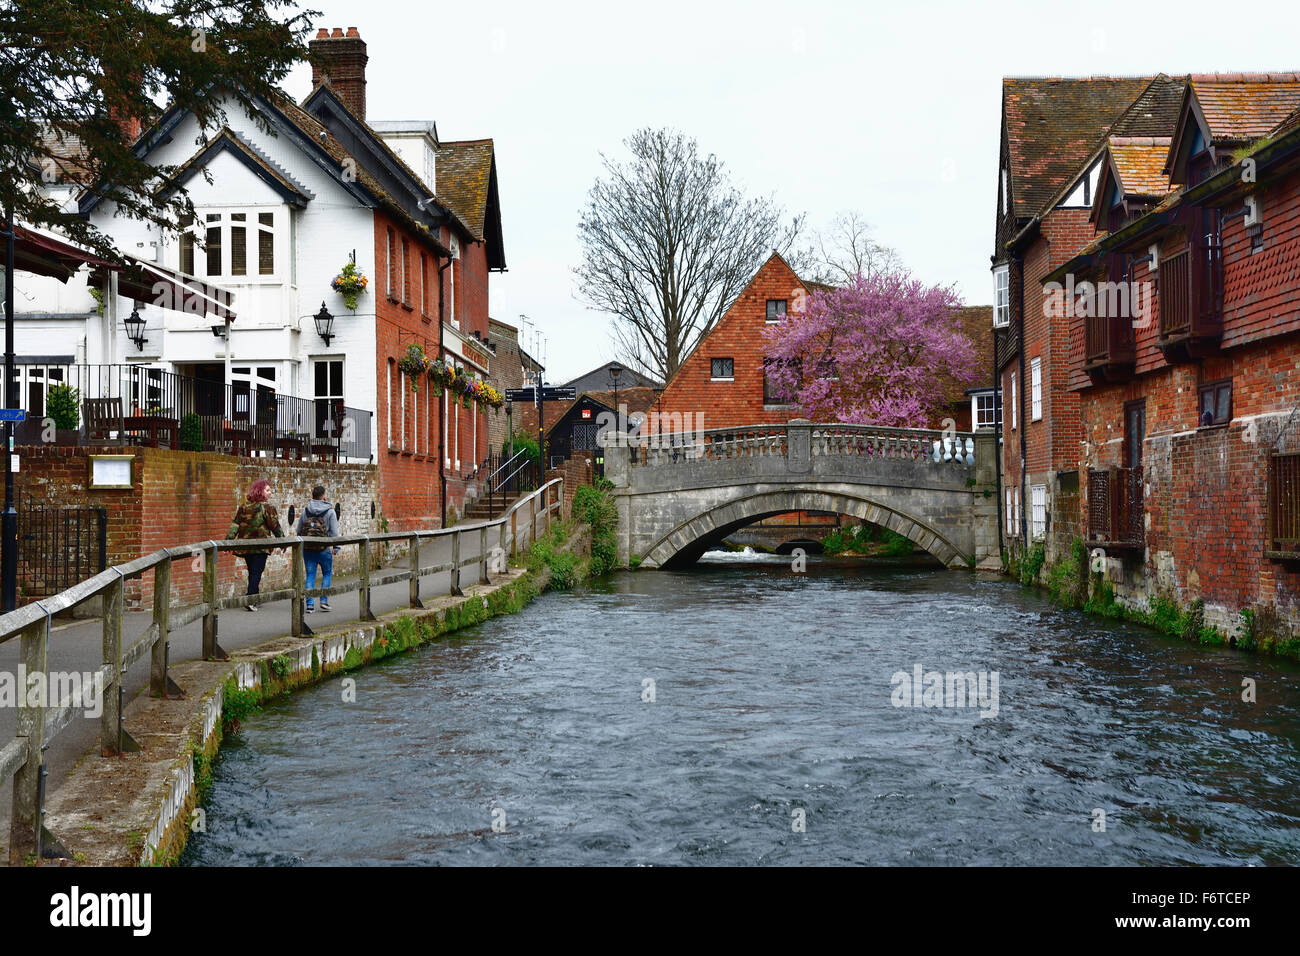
(446, 426)
(1038, 514)
(1002, 296)
(995, 417)
(1035, 389)
(722, 378)
(253, 228)
(1008, 516)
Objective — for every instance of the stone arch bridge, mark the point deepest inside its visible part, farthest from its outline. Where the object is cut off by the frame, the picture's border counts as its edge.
(680, 494)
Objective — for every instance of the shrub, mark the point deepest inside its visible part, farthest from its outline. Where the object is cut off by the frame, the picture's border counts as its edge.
(63, 405)
(191, 432)
(594, 507)
(1032, 563)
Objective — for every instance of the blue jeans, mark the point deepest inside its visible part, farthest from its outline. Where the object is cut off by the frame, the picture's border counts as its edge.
(323, 558)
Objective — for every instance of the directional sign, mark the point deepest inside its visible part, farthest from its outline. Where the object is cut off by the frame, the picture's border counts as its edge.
(550, 393)
(13, 415)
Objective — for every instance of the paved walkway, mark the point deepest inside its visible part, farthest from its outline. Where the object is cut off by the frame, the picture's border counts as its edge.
(77, 646)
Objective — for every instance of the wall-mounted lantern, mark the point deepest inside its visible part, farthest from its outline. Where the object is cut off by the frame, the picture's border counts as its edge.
(135, 329)
(324, 323)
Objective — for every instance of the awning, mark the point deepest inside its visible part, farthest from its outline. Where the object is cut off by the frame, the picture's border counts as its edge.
(46, 256)
(169, 289)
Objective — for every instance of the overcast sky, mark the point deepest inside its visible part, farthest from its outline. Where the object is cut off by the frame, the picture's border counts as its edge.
(891, 110)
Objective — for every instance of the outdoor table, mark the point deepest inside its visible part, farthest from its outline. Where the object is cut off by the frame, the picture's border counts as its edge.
(288, 443)
(155, 427)
(325, 450)
(238, 438)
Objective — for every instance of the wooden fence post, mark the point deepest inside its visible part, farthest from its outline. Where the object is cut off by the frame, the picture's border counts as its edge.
(483, 556)
(363, 595)
(31, 725)
(514, 533)
(113, 739)
(211, 649)
(162, 593)
(414, 555)
(455, 563)
(298, 626)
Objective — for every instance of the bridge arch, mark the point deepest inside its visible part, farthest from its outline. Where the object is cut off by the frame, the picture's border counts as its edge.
(690, 539)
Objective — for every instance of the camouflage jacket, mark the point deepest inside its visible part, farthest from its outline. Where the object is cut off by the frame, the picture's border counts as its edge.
(255, 521)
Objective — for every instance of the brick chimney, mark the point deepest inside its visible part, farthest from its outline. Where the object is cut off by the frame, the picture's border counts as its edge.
(341, 61)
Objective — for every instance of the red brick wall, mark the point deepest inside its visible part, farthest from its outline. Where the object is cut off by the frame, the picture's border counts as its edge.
(739, 336)
(576, 472)
(180, 497)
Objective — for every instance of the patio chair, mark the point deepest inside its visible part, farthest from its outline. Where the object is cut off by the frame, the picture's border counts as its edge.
(103, 417)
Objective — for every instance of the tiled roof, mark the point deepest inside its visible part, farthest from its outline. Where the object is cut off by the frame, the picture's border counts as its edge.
(464, 175)
(1139, 161)
(70, 157)
(1244, 106)
(1053, 125)
(254, 155)
(1155, 111)
(388, 150)
(977, 322)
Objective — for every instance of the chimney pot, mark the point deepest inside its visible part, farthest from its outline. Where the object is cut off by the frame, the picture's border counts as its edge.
(341, 63)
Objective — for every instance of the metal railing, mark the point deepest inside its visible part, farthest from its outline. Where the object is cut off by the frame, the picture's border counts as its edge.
(40, 722)
(143, 405)
(506, 479)
(58, 545)
(921, 445)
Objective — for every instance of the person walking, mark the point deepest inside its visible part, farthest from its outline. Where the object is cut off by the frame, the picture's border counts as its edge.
(318, 520)
(255, 519)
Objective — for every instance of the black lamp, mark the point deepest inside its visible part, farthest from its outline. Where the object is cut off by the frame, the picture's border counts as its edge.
(135, 329)
(324, 323)
(615, 370)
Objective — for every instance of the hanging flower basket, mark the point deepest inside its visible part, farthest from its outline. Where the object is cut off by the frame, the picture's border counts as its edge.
(441, 373)
(350, 284)
(413, 365)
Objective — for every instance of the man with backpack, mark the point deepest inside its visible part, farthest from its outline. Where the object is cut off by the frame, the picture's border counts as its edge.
(318, 520)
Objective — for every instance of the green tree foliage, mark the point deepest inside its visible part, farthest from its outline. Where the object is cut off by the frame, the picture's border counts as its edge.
(72, 71)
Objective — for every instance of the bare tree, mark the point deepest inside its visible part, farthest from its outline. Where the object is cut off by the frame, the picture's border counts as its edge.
(668, 243)
(837, 255)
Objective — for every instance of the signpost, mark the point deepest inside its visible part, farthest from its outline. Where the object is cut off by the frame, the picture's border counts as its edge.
(539, 396)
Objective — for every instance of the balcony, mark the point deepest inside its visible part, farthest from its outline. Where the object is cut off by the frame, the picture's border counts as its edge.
(1191, 300)
(142, 405)
(1115, 510)
(1283, 507)
(1110, 353)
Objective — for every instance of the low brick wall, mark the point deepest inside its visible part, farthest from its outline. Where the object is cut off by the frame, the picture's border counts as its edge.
(181, 497)
(576, 472)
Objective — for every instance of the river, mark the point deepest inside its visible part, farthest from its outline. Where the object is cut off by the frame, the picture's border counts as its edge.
(773, 736)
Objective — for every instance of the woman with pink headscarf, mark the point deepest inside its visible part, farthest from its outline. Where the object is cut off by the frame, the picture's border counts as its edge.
(255, 519)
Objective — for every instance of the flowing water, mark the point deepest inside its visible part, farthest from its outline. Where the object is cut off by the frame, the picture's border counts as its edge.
(773, 736)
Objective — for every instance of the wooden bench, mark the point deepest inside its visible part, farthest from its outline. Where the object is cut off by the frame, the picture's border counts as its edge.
(103, 417)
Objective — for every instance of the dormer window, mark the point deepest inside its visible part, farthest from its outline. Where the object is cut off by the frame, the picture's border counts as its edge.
(236, 243)
(1001, 296)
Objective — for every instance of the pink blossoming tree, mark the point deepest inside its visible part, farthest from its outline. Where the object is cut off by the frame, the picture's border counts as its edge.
(882, 350)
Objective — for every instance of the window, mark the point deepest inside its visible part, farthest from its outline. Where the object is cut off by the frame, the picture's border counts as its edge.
(986, 410)
(1015, 403)
(392, 266)
(770, 394)
(388, 406)
(1284, 504)
(406, 280)
(776, 309)
(1215, 404)
(424, 285)
(1001, 297)
(723, 369)
(1039, 514)
(1035, 389)
(1009, 516)
(328, 375)
(231, 240)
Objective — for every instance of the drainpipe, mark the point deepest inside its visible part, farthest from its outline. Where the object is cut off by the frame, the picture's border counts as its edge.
(1021, 421)
(442, 401)
(997, 437)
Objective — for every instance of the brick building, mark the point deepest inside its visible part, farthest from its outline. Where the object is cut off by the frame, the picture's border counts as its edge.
(1191, 445)
(1053, 134)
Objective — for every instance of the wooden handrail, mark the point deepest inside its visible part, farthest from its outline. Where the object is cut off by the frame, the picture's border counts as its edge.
(38, 724)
